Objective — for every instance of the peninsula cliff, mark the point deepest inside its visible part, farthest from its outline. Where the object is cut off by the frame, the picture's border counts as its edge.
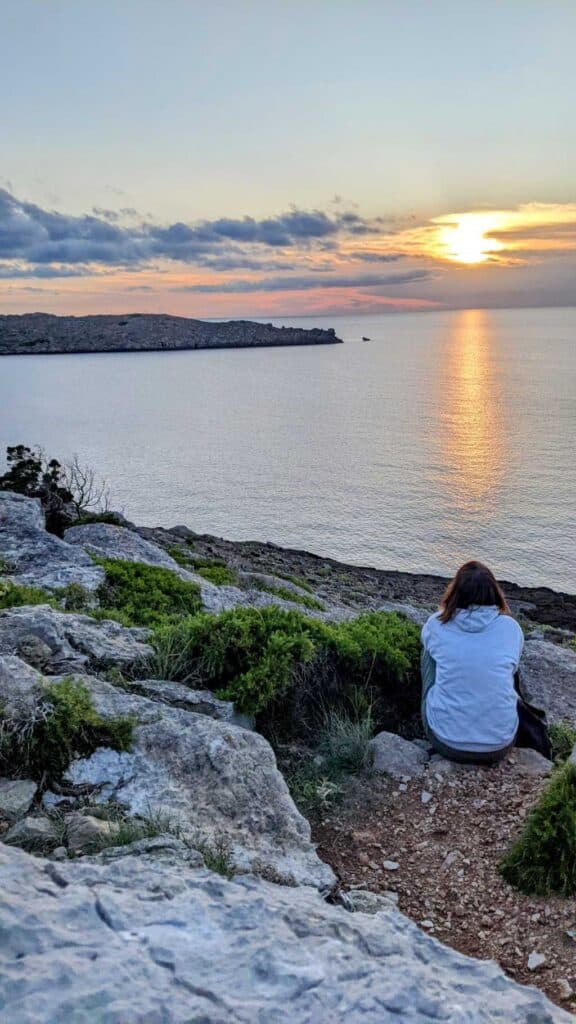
(44, 333)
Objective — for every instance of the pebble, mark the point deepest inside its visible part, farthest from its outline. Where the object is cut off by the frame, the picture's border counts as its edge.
(390, 865)
(565, 990)
(536, 960)
(428, 924)
(425, 797)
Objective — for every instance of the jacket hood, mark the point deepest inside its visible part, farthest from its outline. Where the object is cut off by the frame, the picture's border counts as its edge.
(476, 618)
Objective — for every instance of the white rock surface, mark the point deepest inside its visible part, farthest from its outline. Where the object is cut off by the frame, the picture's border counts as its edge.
(38, 558)
(392, 755)
(138, 941)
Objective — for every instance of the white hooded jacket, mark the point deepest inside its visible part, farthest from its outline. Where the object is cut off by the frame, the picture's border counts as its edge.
(472, 705)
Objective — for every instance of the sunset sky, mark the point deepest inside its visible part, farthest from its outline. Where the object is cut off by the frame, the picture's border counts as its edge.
(285, 157)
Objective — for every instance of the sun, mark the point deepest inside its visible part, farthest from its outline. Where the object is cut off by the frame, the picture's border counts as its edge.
(466, 239)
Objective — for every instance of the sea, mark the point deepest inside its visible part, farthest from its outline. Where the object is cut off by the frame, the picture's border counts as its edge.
(443, 436)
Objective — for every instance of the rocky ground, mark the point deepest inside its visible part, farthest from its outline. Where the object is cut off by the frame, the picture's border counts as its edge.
(433, 846)
(142, 931)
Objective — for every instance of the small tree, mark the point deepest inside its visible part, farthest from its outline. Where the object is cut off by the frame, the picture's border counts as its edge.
(66, 492)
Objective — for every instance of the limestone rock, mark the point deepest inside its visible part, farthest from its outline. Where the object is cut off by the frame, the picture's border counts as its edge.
(365, 902)
(572, 758)
(202, 702)
(212, 779)
(38, 558)
(16, 796)
(530, 762)
(548, 673)
(392, 755)
(109, 541)
(138, 940)
(20, 688)
(417, 615)
(75, 641)
(33, 834)
(86, 834)
(166, 847)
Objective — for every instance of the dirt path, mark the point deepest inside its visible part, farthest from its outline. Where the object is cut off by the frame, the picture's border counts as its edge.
(447, 834)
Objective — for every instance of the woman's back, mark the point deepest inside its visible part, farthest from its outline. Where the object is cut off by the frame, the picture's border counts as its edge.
(472, 705)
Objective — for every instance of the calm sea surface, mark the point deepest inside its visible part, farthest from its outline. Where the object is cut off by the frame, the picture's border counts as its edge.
(447, 436)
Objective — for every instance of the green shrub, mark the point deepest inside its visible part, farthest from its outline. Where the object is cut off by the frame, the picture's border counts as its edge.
(14, 595)
(98, 517)
(291, 595)
(293, 668)
(221, 575)
(563, 740)
(298, 581)
(180, 555)
(74, 598)
(144, 595)
(543, 859)
(63, 726)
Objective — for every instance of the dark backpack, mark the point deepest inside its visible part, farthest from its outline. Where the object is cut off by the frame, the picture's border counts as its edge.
(532, 727)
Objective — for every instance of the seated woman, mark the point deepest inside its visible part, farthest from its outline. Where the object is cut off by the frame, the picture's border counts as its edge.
(472, 647)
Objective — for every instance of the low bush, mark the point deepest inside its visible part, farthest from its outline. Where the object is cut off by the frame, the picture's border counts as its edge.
(143, 595)
(221, 575)
(543, 859)
(74, 598)
(15, 595)
(289, 669)
(65, 725)
(298, 581)
(563, 740)
(291, 595)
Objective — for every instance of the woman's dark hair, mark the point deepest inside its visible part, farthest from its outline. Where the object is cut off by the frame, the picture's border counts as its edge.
(473, 584)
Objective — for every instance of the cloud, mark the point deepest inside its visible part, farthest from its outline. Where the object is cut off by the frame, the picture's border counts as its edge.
(11, 272)
(39, 236)
(307, 282)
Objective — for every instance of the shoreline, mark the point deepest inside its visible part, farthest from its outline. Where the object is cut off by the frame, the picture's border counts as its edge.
(362, 585)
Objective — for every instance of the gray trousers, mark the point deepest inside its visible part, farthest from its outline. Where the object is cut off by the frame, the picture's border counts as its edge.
(428, 671)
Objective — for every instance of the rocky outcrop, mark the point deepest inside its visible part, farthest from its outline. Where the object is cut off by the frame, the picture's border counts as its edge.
(33, 333)
(202, 702)
(137, 939)
(548, 673)
(36, 558)
(69, 643)
(213, 781)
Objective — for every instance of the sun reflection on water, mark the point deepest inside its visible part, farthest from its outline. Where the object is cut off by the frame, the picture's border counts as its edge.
(473, 429)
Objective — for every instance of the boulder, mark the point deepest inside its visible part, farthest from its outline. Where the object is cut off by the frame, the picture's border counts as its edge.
(16, 796)
(363, 901)
(202, 702)
(139, 939)
(209, 779)
(548, 673)
(530, 762)
(20, 689)
(390, 754)
(572, 758)
(166, 847)
(86, 834)
(36, 834)
(35, 557)
(75, 641)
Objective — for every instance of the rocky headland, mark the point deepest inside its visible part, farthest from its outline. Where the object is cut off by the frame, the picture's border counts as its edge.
(43, 333)
(157, 866)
